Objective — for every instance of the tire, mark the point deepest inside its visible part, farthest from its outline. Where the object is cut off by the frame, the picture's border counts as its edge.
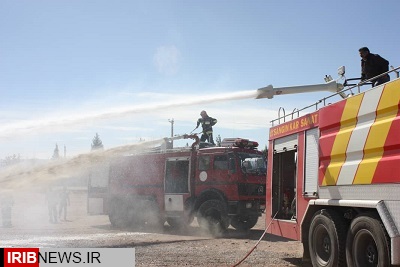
(244, 223)
(367, 243)
(213, 217)
(327, 239)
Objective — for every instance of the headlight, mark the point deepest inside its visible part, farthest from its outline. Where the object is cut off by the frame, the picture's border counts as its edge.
(249, 205)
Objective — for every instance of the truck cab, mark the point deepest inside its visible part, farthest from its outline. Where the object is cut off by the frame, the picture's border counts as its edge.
(234, 175)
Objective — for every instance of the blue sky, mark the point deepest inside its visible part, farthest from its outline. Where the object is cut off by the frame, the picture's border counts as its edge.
(65, 63)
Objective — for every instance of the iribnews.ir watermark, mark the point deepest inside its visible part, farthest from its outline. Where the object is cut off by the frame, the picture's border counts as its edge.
(99, 257)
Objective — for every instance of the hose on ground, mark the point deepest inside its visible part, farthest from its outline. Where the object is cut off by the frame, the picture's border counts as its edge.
(258, 242)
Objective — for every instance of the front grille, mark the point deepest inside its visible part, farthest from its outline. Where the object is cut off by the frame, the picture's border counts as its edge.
(251, 189)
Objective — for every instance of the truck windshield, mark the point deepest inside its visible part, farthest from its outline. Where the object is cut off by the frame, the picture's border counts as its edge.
(252, 163)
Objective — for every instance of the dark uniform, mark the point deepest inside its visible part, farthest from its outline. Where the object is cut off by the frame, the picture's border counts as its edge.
(373, 65)
(64, 201)
(206, 123)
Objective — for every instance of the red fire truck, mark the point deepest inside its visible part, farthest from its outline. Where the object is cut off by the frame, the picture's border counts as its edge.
(218, 185)
(333, 178)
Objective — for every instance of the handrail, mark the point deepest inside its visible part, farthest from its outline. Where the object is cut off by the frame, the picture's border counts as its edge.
(284, 114)
(395, 70)
(294, 111)
(324, 100)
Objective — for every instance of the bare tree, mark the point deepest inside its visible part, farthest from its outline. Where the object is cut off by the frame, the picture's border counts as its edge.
(10, 160)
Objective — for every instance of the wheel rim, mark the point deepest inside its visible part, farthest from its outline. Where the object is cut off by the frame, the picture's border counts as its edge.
(365, 249)
(322, 245)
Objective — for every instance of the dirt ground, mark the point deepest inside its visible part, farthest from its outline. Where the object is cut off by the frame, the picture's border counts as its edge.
(160, 247)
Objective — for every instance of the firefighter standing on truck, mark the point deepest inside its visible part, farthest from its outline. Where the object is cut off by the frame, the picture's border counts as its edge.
(372, 65)
(207, 123)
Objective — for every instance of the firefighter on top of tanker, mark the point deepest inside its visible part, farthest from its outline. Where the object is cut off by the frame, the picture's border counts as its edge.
(372, 65)
(206, 123)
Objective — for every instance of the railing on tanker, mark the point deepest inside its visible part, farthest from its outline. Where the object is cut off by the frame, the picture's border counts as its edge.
(324, 101)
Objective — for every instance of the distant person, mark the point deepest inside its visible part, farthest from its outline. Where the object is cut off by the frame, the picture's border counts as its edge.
(206, 123)
(372, 65)
(52, 199)
(64, 201)
(6, 202)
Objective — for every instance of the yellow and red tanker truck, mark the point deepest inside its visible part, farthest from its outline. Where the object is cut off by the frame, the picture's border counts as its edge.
(333, 177)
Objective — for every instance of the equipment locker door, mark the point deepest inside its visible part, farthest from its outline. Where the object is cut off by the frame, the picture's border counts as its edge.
(177, 186)
(311, 163)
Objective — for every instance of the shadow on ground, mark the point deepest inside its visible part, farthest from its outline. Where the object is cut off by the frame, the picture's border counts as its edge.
(195, 231)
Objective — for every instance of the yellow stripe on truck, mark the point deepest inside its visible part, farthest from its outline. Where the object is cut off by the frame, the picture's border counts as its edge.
(338, 154)
(355, 149)
(373, 151)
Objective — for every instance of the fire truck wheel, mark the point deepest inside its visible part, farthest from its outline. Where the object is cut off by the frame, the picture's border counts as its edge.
(213, 217)
(119, 214)
(327, 239)
(367, 243)
(244, 223)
